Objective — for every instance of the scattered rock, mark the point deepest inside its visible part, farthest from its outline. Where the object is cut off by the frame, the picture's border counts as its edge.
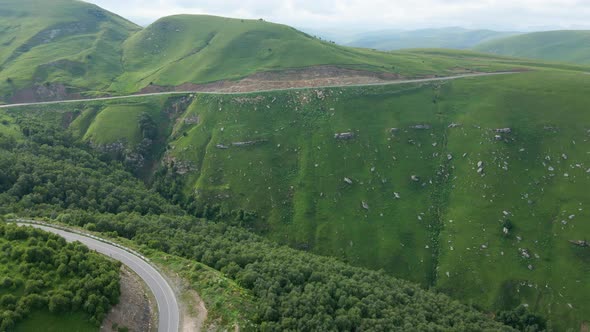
(503, 130)
(347, 180)
(449, 156)
(221, 146)
(248, 143)
(421, 127)
(396, 195)
(479, 164)
(365, 205)
(454, 125)
(344, 136)
(415, 178)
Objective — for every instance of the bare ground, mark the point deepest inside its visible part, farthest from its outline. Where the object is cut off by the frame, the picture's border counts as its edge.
(136, 310)
(193, 313)
(293, 78)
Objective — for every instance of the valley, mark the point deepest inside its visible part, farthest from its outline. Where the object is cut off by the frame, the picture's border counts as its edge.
(277, 181)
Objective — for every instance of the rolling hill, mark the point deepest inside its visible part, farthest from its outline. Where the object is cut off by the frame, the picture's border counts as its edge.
(453, 38)
(78, 50)
(51, 49)
(561, 46)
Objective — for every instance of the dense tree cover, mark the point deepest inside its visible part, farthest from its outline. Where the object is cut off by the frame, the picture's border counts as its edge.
(523, 320)
(39, 270)
(295, 290)
(50, 175)
(48, 168)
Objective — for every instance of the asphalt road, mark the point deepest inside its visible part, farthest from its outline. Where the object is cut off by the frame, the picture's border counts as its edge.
(168, 313)
(419, 80)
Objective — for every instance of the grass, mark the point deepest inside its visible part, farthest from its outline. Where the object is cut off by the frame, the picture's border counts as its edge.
(48, 322)
(562, 46)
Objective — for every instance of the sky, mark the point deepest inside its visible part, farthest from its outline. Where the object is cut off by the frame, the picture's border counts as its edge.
(366, 15)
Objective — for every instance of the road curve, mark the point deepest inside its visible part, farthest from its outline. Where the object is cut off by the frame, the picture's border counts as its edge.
(168, 312)
(418, 80)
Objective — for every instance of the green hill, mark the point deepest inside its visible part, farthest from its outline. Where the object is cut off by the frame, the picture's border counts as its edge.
(58, 47)
(202, 49)
(561, 46)
(411, 201)
(453, 38)
(68, 49)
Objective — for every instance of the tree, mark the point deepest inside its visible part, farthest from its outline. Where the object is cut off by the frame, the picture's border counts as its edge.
(59, 303)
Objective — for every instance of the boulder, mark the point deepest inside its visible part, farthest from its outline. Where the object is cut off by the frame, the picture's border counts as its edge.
(344, 136)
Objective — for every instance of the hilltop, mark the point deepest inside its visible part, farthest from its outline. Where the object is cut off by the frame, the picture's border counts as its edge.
(561, 46)
(53, 49)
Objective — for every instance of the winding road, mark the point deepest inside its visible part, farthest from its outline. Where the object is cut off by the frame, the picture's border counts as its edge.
(168, 312)
(418, 80)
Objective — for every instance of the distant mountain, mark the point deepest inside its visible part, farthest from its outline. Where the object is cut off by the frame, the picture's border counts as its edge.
(455, 38)
(563, 46)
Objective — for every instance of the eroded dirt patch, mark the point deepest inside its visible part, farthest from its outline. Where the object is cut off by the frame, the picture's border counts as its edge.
(44, 92)
(294, 78)
(135, 310)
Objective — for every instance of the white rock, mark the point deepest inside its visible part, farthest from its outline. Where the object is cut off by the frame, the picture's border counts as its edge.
(396, 195)
(479, 164)
(347, 180)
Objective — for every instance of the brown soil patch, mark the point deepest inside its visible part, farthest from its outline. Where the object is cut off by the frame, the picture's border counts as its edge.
(43, 92)
(135, 310)
(311, 77)
(585, 327)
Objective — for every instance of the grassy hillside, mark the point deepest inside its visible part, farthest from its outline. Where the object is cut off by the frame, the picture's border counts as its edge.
(446, 227)
(561, 46)
(66, 42)
(357, 199)
(453, 38)
(269, 287)
(198, 49)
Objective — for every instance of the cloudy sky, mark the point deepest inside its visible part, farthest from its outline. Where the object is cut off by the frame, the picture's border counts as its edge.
(524, 15)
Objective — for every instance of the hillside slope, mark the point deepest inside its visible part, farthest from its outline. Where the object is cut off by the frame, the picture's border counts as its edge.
(453, 38)
(561, 46)
(415, 200)
(50, 49)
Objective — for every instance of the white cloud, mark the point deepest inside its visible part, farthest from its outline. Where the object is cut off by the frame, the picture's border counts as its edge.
(373, 14)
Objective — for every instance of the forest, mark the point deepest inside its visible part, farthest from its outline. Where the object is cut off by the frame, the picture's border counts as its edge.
(40, 271)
